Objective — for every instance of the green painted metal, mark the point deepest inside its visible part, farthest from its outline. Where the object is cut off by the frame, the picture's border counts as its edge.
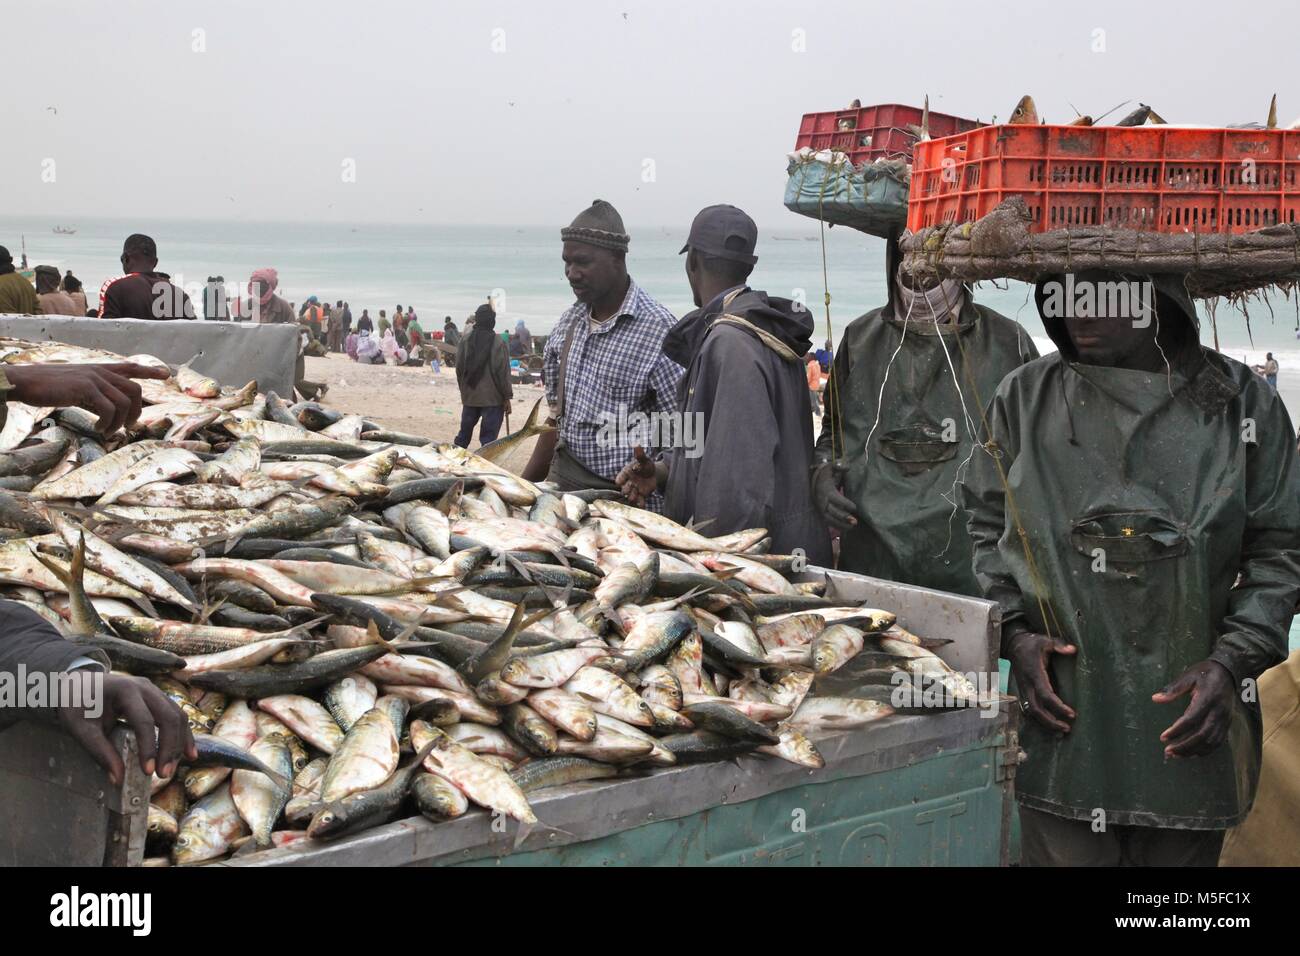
(948, 810)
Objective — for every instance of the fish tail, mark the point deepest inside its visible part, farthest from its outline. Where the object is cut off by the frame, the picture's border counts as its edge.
(519, 567)
(206, 610)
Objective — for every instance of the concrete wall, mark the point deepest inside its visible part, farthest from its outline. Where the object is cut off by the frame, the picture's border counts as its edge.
(231, 352)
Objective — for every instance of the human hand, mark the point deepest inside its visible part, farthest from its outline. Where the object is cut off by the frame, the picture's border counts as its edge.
(1204, 724)
(638, 480)
(837, 509)
(161, 730)
(105, 389)
(1029, 653)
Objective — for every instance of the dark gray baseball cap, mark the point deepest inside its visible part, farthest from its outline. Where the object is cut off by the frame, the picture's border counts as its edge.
(723, 231)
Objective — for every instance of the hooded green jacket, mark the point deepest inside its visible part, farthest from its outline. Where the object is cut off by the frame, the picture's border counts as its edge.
(902, 470)
(1162, 513)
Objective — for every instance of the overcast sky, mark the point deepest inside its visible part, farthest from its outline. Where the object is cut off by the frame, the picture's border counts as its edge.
(523, 112)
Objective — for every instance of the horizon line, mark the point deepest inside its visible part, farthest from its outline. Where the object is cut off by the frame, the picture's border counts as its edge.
(276, 222)
(9, 216)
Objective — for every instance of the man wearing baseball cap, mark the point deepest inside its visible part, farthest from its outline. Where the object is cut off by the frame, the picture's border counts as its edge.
(745, 452)
(604, 363)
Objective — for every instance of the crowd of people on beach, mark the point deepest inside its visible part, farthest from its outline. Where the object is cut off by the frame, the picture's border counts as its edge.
(142, 292)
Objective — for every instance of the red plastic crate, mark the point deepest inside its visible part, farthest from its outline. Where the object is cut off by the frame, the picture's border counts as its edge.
(1154, 178)
(878, 132)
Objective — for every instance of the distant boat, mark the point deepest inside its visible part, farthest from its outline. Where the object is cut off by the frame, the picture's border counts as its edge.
(64, 231)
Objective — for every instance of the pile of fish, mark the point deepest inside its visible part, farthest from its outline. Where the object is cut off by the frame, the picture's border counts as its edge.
(361, 625)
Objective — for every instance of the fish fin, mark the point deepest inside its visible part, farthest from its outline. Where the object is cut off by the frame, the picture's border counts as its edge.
(372, 632)
(521, 835)
(449, 502)
(426, 752)
(541, 615)
(144, 604)
(63, 576)
(696, 526)
(692, 593)
(725, 574)
(395, 646)
(536, 413)
(414, 584)
(514, 627)
(247, 847)
(307, 625)
(416, 466)
(611, 615)
(518, 566)
(557, 602)
(207, 610)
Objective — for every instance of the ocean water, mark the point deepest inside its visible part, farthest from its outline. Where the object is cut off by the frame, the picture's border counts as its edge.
(449, 270)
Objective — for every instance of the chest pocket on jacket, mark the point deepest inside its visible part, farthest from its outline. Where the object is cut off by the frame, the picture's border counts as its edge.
(1129, 537)
(917, 447)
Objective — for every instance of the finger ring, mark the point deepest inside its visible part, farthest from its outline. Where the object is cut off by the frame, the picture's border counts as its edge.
(1024, 706)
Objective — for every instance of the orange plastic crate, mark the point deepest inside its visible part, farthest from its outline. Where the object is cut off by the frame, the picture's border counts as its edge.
(1155, 178)
(874, 132)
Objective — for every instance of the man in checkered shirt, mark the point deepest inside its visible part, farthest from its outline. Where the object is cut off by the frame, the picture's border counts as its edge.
(615, 365)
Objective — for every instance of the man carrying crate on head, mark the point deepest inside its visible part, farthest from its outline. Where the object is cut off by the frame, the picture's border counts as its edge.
(1136, 514)
(902, 408)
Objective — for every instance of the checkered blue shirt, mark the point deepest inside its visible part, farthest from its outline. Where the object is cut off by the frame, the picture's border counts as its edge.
(619, 368)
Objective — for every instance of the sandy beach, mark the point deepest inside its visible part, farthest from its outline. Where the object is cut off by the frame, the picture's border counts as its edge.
(407, 399)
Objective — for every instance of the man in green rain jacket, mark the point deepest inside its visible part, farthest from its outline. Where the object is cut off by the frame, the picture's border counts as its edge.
(1137, 518)
(899, 457)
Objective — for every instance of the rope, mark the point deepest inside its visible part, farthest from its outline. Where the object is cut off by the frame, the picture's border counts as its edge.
(832, 386)
(880, 399)
(1046, 612)
(970, 424)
